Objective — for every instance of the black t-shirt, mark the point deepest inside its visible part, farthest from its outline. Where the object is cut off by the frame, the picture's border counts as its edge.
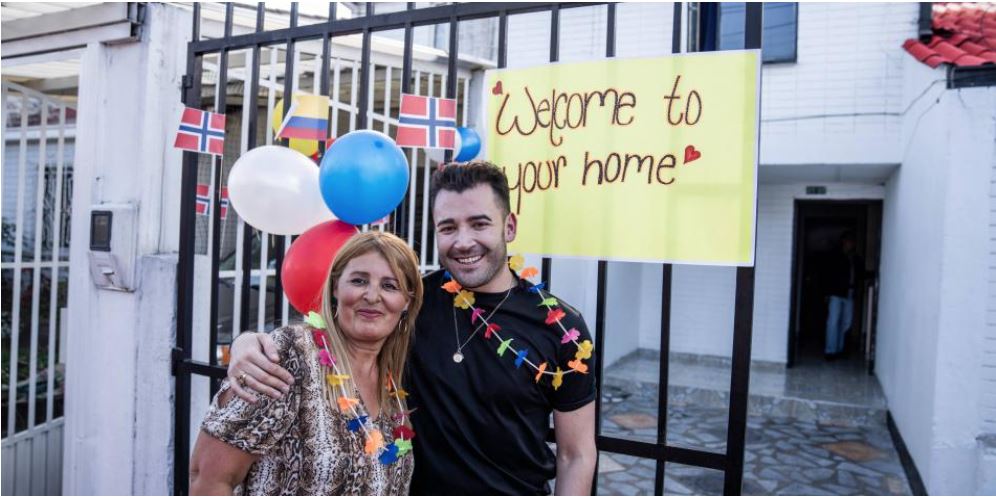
(481, 425)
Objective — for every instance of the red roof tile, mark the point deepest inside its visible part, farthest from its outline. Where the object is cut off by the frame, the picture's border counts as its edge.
(964, 35)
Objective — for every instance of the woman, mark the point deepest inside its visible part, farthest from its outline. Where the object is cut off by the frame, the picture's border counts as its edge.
(342, 428)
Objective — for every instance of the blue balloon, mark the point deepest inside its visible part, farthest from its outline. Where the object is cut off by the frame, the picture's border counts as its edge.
(363, 177)
(470, 144)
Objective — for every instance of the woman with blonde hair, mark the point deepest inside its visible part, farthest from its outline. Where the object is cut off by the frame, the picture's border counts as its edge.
(342, 428)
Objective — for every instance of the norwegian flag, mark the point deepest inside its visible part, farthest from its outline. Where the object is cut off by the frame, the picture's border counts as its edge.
(426, 122)
(201, 131)
(204, 200)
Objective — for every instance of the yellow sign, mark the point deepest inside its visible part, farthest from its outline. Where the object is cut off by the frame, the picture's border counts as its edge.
(631, 159)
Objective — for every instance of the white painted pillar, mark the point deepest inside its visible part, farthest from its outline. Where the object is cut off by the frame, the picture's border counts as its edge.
(119, 400)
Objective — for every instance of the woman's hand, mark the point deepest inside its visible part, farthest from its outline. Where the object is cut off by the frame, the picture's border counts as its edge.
(253, 368)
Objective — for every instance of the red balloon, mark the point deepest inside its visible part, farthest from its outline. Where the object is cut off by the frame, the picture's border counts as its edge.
(306, 264)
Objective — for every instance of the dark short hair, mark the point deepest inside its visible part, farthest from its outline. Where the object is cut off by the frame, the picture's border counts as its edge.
(458, 177)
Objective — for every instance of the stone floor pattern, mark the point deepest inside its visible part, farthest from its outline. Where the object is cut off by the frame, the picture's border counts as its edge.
(783, 455)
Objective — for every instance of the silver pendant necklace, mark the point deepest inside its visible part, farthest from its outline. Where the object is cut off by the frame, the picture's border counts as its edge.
(458, 355)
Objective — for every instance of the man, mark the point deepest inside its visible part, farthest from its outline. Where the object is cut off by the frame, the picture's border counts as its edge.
(481, 413)
(845, 272)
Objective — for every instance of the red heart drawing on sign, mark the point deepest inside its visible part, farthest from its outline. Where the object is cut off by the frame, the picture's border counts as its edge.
(497, 89)
(691, 154)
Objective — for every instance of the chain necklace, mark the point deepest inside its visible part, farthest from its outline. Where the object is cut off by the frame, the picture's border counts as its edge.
(458, 355)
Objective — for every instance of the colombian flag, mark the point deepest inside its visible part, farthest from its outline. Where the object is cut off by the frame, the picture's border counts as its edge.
(308, 118)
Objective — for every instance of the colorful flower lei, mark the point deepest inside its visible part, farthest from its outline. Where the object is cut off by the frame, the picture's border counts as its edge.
(464, 299)
(374, 440)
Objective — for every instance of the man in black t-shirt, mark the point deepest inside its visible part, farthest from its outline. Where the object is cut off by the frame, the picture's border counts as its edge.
(483, 395)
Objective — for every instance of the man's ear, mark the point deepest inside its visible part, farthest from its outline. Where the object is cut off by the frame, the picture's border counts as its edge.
(511, 223)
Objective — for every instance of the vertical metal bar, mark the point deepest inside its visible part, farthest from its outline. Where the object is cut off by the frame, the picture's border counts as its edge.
(737, 429)
(323, 85)
(264, 238)
(676, 29)
(662, 382)
(547, 266)
(598, 357)
(364, 78)
(599, 366)
(502, 39)
(743, 322)
(53, 308)
(252, 120)
(402, 214)
(185, 280)
(15, 328)
(451, 76)
(280, 247)
(218, 163)
(37, 259)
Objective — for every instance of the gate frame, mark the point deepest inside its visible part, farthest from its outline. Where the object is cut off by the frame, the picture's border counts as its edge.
(731, 462)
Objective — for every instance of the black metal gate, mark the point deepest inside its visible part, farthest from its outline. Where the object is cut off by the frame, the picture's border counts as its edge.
(185, 366)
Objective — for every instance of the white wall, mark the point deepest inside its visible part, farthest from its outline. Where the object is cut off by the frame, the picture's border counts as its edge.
(119, 400)
(841, 101)
(933, 293)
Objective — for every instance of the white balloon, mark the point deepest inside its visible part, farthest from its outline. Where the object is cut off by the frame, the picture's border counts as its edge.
(275, 189)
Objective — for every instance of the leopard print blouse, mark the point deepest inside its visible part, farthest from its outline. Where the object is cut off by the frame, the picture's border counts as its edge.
(304, 445)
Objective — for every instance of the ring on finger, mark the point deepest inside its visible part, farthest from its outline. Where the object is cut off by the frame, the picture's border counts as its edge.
(242, 379)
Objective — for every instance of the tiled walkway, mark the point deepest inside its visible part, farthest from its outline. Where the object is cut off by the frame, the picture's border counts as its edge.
(846, 453)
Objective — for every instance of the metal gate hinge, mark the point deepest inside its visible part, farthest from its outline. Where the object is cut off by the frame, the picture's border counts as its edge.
(176, 357)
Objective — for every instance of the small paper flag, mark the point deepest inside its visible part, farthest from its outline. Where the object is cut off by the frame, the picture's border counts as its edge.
(584, 350)
(520, 356)
(452, 286)
(336, 380)
(447, 275)
(404, 446)
(390, 455)
(345, 403)
(464, 299)
(528, 272)
(537, 287)
(375, 441)
(325, 358)
(549, 302)
(477, 313)
(539, 371)
(492, 327)
(578, 366)
(516, 262)
(356, 423)
(555, 315)
(400, 394)
(319, 337)
(403, 432)
(571, 335)
(558, 378)
(315, 320)
(503, 346)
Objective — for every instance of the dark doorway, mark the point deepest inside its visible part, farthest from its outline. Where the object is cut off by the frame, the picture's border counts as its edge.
(819, 228)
